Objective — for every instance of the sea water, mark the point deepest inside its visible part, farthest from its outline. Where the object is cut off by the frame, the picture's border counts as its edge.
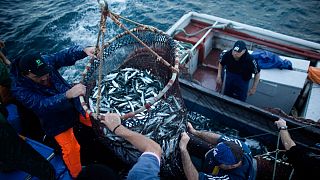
(51, 25)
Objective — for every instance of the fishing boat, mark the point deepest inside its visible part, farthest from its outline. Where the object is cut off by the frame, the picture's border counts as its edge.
(198, 61)
(201, 38)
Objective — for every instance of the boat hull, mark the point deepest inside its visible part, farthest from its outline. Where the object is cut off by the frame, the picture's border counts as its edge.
(249, 120)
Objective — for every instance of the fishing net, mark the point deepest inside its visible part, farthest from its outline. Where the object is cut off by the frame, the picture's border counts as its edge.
(132, 80)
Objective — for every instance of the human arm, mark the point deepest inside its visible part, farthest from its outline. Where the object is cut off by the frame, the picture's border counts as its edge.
(4, 59)
(207, 136)
(142, 143)
(68, 57)
(76, 91)
(90, 51)
(2, 56)
(219, 79)
(255, 84)
(188, 167)
(284, 134)
(41, 104)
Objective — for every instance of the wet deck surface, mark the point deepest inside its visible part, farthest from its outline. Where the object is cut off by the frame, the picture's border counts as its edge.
(206, 77)
(206, 72)
(212, 60)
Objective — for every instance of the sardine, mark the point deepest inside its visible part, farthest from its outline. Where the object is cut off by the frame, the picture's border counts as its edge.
(116, 85)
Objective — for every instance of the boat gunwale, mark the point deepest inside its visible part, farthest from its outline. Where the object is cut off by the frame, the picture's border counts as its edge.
(257, 30)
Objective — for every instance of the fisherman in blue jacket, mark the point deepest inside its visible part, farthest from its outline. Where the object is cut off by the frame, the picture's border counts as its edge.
(229, 159)
(37, 84)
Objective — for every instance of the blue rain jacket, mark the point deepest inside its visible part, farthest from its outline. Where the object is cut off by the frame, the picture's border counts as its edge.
(50, 104)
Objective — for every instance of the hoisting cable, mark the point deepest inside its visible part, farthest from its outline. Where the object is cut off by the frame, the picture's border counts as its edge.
(126, 19)
(159, 58)
(263, 134)
(276, 157)
(174, 68)
(102, 30)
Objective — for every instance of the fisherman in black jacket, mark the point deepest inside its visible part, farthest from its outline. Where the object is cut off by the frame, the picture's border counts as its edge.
(240, 66)
(306, 165)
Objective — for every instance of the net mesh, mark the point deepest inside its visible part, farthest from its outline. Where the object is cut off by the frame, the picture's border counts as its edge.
(166, 119)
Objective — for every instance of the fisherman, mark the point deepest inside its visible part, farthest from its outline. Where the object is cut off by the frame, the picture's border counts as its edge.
(229, 159)
(148, 165)
(16, 154)
(240, 66)
(306, 165)
(37, 84)
(6, 98)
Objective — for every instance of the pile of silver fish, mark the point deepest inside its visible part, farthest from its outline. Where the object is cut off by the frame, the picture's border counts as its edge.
(125, 91)
(201, 122)
(161, 123)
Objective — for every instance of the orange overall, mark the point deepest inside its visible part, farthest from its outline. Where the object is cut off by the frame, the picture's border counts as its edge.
(71, 148)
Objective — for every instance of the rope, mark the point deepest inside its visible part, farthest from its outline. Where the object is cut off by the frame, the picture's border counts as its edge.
(128, 20)
(102, 34)
(292, 129)
(271, 152)
(278, 150)
(276, 157)
(174, 68)
(291, 174)
(223, 26)
(214, 26)
(159, 58)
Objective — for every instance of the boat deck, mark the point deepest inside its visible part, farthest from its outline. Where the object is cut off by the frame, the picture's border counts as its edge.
(207, 71)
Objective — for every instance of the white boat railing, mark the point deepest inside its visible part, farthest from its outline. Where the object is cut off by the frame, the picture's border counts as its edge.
(183, 21)
(197, 44)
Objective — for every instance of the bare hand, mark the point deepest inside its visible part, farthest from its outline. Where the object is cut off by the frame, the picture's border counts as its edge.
(111, 120)
(191, 129)
(90, 51)
(76, 91)
(252, 91)
(2, 44)
(280, 123)
(6, 61)
(219, 84)
(184, 141)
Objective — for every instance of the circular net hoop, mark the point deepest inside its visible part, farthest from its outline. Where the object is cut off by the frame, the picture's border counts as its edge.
(124, 51)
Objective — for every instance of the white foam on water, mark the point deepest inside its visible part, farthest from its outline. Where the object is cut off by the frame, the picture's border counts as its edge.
(85, 30)
(120, 1)
(72, 74)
